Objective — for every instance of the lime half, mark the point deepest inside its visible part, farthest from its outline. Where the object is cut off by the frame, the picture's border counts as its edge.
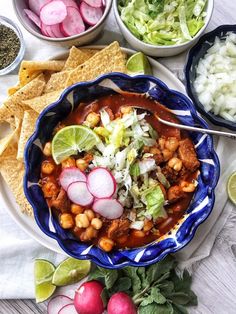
(71, 140)
(43, 272)
(70, 271)
(231, 187)
(138, 64)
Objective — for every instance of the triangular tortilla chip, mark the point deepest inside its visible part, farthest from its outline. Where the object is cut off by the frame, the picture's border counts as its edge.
(77, 57)
(12, 171)
(57, 81)
(41, 102)
(27, 129)
(110, 59)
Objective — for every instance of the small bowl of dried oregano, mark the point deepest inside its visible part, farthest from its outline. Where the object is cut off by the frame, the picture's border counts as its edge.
(12, 46)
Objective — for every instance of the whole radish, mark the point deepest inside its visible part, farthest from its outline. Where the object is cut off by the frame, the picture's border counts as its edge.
(88, 299)
(121, 303)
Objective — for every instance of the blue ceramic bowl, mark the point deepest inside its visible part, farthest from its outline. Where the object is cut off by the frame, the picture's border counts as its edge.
(202, 202)
(195, 54)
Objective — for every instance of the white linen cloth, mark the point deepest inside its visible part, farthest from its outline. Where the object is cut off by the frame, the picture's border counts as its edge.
(18, 251)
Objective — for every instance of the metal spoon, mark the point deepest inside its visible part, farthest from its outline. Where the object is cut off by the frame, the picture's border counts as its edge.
(189, 128)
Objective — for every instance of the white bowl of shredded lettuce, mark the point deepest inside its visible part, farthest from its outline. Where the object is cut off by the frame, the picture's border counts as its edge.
(162, 28)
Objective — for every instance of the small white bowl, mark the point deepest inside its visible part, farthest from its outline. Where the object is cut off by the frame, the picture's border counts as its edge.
(77, 40)
(156, 50)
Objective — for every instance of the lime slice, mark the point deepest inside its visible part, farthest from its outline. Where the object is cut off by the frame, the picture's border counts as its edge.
(70, 271)
(231, 187)
(43, 272)
(71, 140)
(138, 64)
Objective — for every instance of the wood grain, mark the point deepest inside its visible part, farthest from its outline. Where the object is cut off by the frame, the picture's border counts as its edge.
(214, 277)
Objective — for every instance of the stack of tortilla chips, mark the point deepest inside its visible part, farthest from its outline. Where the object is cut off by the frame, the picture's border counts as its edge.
(40, 84)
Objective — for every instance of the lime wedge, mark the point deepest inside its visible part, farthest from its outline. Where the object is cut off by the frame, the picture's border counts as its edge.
(71, 140)
(231, 187)
(70, 271)
(138, 64)
(43, 272)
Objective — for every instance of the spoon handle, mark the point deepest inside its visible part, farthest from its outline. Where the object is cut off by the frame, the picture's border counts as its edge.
(194, 129)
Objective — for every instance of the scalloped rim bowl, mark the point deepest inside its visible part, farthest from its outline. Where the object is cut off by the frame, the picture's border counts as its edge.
(202, 202)
(195, 54)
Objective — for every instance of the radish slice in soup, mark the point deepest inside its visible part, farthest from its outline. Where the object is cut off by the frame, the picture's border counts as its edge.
(73, 23)
(90, 14)
(71, 175)
(33, 17)
(108, 208)
(57, 303)
(68, 309)
(79, 194)
(94, 3)
(53, 13)
(101, 183)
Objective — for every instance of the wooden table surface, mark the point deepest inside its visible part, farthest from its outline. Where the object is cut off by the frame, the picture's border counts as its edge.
(214, 277)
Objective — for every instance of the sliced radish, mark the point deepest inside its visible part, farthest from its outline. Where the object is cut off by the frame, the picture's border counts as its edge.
(68, 309)
(44, 30)
(108, 208)
(71, 175)
(33, 17)
(73, 23)
(56, 31)
(104, 3)
(36, 5)
(79, 194)
(90, 14)
(101, 183)
(70, 3)
(57, 303)
(53, 13)
(94, 3)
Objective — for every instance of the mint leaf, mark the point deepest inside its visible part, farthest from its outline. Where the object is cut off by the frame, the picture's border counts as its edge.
(157, 270)
(131, 272)
(156, 309)
(123, 284)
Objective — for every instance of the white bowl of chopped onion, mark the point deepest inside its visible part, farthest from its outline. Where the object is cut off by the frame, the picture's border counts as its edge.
(162, 31)
(211, 76)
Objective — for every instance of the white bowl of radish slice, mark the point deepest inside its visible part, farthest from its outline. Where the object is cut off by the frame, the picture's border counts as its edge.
(64, 22)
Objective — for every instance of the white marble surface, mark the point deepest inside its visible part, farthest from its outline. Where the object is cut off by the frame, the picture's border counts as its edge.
(215, 277)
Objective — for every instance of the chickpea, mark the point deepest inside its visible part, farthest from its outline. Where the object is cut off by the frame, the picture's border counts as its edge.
(67, 221)
(172, 144)
(81, 221)
(47, 167)
(154, 151)
(91, 233)
(90, 214)
(50, 189)
(187, 187)
(47, 151)
(81, 164)
(92, 119)
(83, 237)
(126, 110)
(167, 154)
(161, 142)
(96, 223)
(69, 162)
(106, 244)
(138, 233)
(175, 163)
(148, 224)
(76, 209)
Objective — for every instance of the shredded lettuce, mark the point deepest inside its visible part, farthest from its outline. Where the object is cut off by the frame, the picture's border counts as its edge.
(154, 199)
(163, 22)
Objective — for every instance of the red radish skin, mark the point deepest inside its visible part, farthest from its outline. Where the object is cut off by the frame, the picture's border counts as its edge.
(68, 309)
(36, 5)
(88, 299)
(90, 15)
(56, 31)
(94, 3)
(57, 303)
(53, 13)
(70, 3)
(71, 174)
(73, 23)
(33, 17)
(108, 208)
(101, 183)
(121, 303)
(79, 194)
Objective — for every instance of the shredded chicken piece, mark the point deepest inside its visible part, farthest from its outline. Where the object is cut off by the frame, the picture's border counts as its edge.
(118, 228)
(188, 155)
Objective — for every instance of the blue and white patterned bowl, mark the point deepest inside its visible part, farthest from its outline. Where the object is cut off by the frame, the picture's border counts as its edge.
(202, 202)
